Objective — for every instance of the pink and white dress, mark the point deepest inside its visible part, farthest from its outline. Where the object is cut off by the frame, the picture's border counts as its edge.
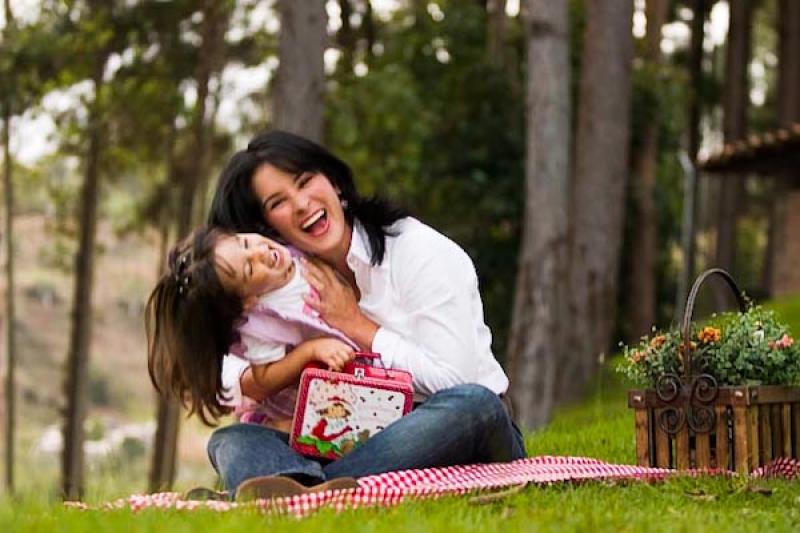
(278, 322)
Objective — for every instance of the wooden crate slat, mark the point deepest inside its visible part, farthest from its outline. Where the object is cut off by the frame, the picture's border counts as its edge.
(741, 436)
(796, 429)
(776, 427)
(702, 450)
(786, 427)
(642, 437)
(662, 443)
(774, 394)
(682, 448)
(752, 452)
(721, 447)
(749, 395)
(765, 434)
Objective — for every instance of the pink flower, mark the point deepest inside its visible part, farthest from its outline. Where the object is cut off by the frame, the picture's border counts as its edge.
(784, 342)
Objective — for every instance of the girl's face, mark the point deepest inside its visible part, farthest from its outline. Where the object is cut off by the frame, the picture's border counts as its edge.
(251, 265)
(305, 209)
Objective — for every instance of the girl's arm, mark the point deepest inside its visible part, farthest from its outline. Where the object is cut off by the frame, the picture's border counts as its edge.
(263, 380)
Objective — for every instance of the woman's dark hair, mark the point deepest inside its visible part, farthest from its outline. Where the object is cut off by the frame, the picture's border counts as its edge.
(189, 320)
(236, 208)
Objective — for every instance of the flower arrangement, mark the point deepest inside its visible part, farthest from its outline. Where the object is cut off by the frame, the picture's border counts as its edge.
(748, 348)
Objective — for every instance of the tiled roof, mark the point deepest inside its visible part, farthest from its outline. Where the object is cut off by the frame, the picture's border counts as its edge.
(774, 152)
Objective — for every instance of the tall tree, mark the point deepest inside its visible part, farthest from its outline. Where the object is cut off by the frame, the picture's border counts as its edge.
(700, 10)
(191, 173)
(496, 32)
(346, 37)
(642, 256)
(788, 113)
(601, 165)
(299, 89)
(76, 385)
(10, 345)
(540, 290)
(735, 99)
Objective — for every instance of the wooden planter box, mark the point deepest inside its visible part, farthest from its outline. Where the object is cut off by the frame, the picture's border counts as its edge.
(753, 425)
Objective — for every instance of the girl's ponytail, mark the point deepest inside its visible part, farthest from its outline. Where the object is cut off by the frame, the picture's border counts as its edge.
(189, 321)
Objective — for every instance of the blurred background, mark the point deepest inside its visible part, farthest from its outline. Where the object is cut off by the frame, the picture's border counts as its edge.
(591, 157)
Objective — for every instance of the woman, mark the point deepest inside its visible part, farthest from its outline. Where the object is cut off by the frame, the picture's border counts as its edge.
(393, 285)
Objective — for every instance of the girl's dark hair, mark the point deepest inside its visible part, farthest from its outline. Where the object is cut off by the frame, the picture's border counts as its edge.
(236, 208)
(189, 321)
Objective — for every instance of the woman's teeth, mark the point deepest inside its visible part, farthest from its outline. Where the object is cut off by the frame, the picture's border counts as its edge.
(316, 217)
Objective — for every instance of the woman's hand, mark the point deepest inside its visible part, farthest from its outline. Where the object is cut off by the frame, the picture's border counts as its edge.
(331, 352)
(336, 302)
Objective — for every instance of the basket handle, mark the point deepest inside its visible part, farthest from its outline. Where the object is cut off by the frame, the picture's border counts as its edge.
(689, 311)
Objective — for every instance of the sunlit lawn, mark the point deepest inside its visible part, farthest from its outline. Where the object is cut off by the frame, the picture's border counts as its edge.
(601, 427)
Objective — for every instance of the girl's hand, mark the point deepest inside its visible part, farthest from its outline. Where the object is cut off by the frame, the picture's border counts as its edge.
(337, 303)
(331, 352)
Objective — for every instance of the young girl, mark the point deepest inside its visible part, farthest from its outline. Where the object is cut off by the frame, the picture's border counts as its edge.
(242, 294)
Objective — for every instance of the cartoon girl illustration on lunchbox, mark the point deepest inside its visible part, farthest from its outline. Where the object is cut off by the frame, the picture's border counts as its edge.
(331, 429)
(333, 420)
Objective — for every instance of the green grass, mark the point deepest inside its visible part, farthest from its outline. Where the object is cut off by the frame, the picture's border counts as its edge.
(601, 427)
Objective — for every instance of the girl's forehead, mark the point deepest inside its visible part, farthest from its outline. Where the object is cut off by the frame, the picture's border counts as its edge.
(226, 253)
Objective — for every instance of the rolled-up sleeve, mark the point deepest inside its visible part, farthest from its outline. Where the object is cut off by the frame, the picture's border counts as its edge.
(232, 369)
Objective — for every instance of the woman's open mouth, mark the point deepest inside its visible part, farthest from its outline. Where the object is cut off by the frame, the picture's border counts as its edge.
(316, 224)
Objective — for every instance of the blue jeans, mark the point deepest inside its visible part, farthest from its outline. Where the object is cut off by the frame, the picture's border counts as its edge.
(460, 425)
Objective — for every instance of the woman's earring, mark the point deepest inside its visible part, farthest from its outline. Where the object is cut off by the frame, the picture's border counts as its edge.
(345, 203)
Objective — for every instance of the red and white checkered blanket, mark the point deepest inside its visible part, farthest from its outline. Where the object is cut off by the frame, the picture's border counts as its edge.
(393, 488)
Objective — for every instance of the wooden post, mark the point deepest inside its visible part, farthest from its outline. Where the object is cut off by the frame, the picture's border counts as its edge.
(765, 434)
(682, 448)
(752, 438)
(741, 436)
(722, 437)
(702, 447)
(796, 430)
(642, 437)
(786, 428)
(776, 423)
(662, 444)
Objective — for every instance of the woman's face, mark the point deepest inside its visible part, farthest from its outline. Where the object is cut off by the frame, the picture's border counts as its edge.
(305, 210)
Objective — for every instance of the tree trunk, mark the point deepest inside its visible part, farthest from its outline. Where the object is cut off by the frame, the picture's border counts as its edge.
(191, 175)
(788, 113)
(734, 101)
(10, 344)
(496, 32)
(346, 38)
(696, 74)
(10, 313)
(81, 333)
(789, 62)
(601, 167)
(299, 90)
(369, 32)
(642, 255)
(538, 306)
(691, 189)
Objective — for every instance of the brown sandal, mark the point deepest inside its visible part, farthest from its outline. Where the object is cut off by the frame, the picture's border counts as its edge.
(268, 487)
